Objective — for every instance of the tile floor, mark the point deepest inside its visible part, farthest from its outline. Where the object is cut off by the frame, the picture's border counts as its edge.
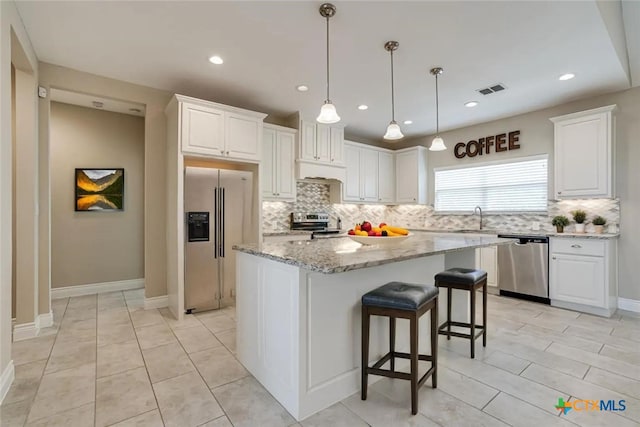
(107, 361)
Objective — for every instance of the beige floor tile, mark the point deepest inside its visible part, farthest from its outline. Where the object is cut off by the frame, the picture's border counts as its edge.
(229, 311)
(115, 333)
(134, 294)
(629, 332)
(135, 304)
(197, 338)
(154, 336)
(516, 412)
(14, 414)
(597, 419)
(31, 350)
(566, 339)
(167, 361)
(614, 382)
(142, 318)
(613, 341)
(632, 357)
(64, 390)
(59, 305)
(118, 357)
(522, 388)
(218, 322)
(336, 415)
(114, 316)
(148, 419)
(75, 330)
(84, 301)
(380, 411)
(81, 313)
(189, 320)
(77, 417)
(508, 362)
(69, 354)
(218, 422)
(580, 389)
(599, 361)
(248, 404)
(218, 366)
(464, 388)
(186, 401)
(123, 396)
(26, 382)
(228, 338)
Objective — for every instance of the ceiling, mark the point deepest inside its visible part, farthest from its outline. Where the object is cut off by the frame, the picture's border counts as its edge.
(271, 47)
(97, 102)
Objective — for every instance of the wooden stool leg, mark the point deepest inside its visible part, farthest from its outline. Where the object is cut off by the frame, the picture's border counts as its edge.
(473, 322)
(413, 337)
(392, 341)
(365, 350)
(449, 313)
(434, 344)
(484, 314)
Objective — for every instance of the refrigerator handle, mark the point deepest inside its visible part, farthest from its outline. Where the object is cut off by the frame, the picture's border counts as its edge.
(215, 223)
(222, 223)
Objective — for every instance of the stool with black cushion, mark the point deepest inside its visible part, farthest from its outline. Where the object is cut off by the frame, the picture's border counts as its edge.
(471, 280)
(408, 301)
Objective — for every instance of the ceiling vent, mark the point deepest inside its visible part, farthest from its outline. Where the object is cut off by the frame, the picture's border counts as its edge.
(492, 89)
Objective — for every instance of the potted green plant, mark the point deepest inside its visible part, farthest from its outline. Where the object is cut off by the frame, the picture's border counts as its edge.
(598, 224)
(579, 216)
(560, 222)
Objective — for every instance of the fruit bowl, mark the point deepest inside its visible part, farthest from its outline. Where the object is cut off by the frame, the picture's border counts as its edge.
(379, 240)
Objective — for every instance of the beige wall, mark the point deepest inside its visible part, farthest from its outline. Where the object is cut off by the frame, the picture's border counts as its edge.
(95, 247)
(155, 102)
(537, 138)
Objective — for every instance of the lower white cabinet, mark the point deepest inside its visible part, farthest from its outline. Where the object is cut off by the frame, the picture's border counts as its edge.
(583, 274)
(487, 260)
(277, 173)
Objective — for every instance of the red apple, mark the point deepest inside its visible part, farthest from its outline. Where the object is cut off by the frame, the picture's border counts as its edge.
(366, 226)
(351, 232)
(382, 224)
(371, 233)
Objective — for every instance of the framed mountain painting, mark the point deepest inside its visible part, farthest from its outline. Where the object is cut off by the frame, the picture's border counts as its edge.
(100, 189)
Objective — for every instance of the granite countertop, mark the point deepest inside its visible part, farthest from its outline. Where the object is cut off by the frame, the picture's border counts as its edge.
(531, 233)
(343, 254)
(286, 233)
(586, 235)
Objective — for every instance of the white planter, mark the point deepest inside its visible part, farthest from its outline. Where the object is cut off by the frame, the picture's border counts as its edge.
(580, 228)
(599, 228)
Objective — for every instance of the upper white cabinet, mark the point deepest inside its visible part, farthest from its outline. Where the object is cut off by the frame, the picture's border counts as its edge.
(583, 274)
(321, 143)
(278, 161)
(583, 153)
(411, 175)
(386, 177)
(216, 130)
(362, 173)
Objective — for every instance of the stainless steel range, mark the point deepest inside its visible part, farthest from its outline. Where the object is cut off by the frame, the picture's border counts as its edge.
(316, 222)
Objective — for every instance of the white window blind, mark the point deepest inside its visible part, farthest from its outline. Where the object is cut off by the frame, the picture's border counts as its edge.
(515, 186)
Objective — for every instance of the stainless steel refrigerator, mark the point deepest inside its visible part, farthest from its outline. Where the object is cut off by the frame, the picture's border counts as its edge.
(218, 206)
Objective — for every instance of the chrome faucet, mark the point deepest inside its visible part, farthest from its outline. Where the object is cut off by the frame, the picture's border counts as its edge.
(478, 208)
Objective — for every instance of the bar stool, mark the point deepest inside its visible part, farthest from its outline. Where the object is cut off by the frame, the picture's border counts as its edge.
(407, 301)
(468, 280)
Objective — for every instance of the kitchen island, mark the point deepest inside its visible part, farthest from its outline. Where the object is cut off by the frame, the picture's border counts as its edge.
(298, 308)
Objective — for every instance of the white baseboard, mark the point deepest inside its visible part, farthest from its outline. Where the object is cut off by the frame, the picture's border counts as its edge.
(156, 302)
(629, 304)
(6, 379)
(96, 288)
(25, 331)
(44, 320)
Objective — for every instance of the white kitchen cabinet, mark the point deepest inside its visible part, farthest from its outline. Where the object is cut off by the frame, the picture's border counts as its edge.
(362, 173)
(336, 145)
(351, 185)
(220, 131)
(321, 143)
(411, 175)
(277, 167)
(583, 274)
(386, 177)
(583, 153)
(487, 260)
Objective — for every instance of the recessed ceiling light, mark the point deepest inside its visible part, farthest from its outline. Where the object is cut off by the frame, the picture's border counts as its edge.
(471, 104)
(216, 60)
(302, 88)
(408, 122)
(567, 76)
(363, 107)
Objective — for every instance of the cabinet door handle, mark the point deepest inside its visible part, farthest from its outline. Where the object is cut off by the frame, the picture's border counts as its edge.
(332, 160)
(414, 199)
(221, 151)
(576, 246)
(553, 257)
(227, 153)
(559, 192)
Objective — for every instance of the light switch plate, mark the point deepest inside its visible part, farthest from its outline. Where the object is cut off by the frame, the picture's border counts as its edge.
(42, 92)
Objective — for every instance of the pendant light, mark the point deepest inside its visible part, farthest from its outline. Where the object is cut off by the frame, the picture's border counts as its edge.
(438, 143)
(328, 113)
(393, 130)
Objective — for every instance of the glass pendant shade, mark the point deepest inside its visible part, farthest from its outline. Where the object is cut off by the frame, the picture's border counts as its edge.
(328, 113)
(393, 131)
(437, 144)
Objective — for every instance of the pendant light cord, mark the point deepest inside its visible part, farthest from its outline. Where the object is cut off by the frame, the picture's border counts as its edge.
(437, 109)
(393, 102)
(328, 99)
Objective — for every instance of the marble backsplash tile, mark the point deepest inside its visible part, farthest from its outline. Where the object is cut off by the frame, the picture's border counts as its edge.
(314, 196)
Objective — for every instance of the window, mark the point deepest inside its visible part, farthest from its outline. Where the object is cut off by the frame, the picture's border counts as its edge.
(519, 185)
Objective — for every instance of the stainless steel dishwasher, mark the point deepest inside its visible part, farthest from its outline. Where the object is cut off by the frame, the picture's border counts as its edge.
(523, 268)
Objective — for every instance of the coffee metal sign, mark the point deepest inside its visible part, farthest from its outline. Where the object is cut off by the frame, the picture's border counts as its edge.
(499, 143)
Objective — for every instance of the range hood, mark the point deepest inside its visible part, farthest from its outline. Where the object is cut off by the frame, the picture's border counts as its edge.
(312, 170)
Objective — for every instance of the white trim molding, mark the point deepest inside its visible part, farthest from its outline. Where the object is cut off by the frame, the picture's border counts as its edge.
(96, 288)
(44, 320)
(629, 304)
(156, 302)
(25, 331)
(6, 379)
